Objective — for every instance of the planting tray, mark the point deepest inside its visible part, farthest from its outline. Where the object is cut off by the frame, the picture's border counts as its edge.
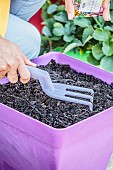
(27, 144)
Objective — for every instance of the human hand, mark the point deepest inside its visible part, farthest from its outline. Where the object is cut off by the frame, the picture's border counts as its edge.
(13, 61)
(106, 10)
(70, 9)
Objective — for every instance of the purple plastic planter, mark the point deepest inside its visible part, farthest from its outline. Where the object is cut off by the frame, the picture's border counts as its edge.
(27, 144)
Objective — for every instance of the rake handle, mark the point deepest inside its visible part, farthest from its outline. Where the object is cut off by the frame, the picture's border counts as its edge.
(43, 77)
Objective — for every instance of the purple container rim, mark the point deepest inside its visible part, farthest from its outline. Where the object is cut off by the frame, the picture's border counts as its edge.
(73, 58)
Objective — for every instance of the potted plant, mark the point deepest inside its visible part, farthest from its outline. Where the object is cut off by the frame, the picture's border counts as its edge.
(27, 143)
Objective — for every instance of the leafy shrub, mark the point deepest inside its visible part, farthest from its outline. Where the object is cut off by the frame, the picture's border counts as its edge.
(81, 34)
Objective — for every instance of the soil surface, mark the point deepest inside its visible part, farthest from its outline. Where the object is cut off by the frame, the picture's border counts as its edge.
(32, 101)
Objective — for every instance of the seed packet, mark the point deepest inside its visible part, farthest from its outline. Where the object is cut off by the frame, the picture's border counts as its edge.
(88, 8)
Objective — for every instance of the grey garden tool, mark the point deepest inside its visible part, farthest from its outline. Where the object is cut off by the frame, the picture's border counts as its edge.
(110, 164)
(62, 91)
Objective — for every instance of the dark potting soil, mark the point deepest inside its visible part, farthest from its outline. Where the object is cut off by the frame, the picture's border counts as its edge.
(31, 100)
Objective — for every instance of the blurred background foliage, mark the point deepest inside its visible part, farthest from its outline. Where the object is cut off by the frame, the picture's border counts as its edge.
(91, 37)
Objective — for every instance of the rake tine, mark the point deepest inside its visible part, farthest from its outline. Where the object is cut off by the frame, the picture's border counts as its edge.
(76, 88)
(85, 96)
(79, 101)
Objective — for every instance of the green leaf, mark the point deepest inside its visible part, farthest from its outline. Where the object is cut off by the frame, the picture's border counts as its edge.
(44, 14)
(46, 31)
(61, 17)
(111, 38)
(111, 13)
(82, 22)
(76, 43)
(45, 45)
(58, 25)
(87, 34)
(101, 35)
(109, 28)
(55, 38)
(68, 38)
(97, 52)
(101, 20)
(92, 60)
(61, 8)
(59, 31)
(107, 48)
(107, 63)
(52, 8)
(73, 29)
(59, 49)
(111, 5)
(49, 23)
(88, 39)
(89, 46)
(67, 28)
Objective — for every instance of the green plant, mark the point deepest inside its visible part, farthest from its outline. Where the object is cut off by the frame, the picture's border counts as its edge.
(81, 34)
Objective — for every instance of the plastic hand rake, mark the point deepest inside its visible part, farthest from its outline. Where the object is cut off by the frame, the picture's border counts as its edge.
(62, 91)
